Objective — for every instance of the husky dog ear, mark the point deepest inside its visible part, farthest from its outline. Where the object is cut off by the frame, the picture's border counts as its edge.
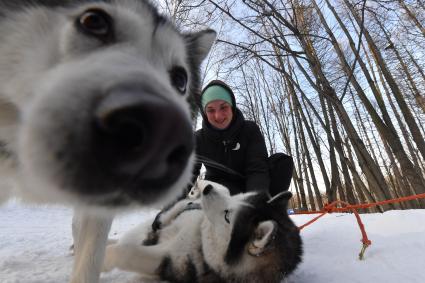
(200, 43)
(207, 189)
(264, 235)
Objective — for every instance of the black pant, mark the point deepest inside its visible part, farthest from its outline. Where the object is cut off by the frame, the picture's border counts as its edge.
(281, 167)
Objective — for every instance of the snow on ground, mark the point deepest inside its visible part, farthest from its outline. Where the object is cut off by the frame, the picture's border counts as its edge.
(34, 246)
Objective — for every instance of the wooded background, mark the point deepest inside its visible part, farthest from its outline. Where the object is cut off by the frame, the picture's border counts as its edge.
(337, 84)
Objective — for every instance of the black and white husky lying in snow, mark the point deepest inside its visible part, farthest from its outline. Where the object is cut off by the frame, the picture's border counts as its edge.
(218, 238)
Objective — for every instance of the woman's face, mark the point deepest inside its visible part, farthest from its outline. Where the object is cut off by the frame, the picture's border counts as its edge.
(219, 114)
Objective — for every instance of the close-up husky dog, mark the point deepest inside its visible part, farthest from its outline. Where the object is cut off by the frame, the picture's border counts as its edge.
(245, 238)
(95, 110)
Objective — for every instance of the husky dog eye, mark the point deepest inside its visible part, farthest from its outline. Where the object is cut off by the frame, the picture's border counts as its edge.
(178, 78)
(96, 23)
(226, 215)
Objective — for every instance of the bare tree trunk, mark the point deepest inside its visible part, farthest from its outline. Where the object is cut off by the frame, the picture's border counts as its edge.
(412, 16)
(364, 193)
(267, 112)
(306, 155)
(338, 144)
(418, 97)
(392, 180)
(415, 62)
(361, 122)
(371, 146)
(367, 164)
(403, 129)
(299, 157)
(252, 90)
(313, 141)
(335, 180)
(410, 120)
(317, 193)
(386, 129)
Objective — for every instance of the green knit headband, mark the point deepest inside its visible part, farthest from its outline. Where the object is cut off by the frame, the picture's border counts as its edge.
(216, 92)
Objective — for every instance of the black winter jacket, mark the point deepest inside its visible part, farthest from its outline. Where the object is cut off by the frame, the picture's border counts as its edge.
(241, 147)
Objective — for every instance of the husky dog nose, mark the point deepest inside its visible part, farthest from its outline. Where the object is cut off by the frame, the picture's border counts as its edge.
(141, 136)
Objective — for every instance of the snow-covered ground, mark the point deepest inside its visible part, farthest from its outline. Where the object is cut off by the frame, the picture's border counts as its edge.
(34, 244)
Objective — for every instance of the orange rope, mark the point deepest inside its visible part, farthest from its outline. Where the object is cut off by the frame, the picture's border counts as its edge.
(347, 207)
(330, 209)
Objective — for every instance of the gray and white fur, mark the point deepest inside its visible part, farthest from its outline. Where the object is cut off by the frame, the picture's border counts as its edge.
(94, 110)
(246, 238)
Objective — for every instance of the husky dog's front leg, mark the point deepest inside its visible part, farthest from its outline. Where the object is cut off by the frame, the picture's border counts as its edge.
(136, 258)
(167, 215)
(89, 245)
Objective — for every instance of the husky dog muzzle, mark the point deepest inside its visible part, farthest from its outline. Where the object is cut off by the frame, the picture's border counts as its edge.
(139, 135)
(131, 142)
